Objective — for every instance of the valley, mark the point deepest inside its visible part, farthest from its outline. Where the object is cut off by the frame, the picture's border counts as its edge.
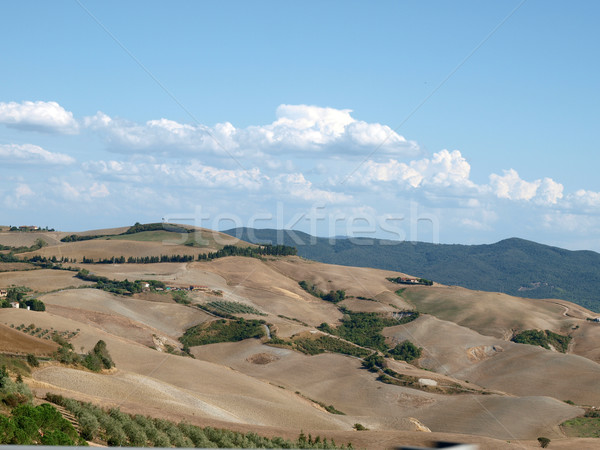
(471, 383)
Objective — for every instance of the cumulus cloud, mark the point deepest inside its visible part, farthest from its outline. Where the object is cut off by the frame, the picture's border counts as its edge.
(38, 116)
(299, 129)
(192, 174)
(299, 187)
(195, 175)
(585, 198)
(27, 153)
(443, 169)
(511, 186)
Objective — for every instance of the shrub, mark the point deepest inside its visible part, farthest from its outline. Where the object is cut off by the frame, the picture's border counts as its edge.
(544, 442)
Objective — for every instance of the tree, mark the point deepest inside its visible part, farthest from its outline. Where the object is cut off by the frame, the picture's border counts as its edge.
(544, 442)
(32, 360)
(406, 351)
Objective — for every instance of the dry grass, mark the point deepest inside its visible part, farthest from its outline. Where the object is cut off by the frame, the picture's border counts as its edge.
(14, 341)
(42, 280)
(251, 386)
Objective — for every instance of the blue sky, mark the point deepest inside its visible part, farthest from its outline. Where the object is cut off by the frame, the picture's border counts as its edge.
(332, 117)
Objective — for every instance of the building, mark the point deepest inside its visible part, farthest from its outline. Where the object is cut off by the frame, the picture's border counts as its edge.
(14, 305)
(3, 293)
(28, 228)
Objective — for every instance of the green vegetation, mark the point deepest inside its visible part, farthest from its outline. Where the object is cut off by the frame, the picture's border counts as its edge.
(181, 297)
(95, 360)
(223, 331)
(406, 351)
(543, 339)
(294, 319)
(17, 294)
(513, 266)
(251, 252)
(137, 228)
(118, 287)
(403, 280)
(98, 358)
(359, 427)
(13, 393)
(34, 425)
(115, 428)
(362, 328)
(586, 426)
(39, 243)
(324, 344)
(330, 409)
(233, 308)
(331, 296)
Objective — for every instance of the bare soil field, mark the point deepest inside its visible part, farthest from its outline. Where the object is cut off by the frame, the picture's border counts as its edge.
(250, 386)
(171, 319)
(43, 280)
(101, 249)
(14, 341)
(11, 267)
(518, 369)
(489, 313)
(338, 380)
(27, 239)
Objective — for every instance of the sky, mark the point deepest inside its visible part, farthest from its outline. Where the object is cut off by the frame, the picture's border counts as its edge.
(448, 122)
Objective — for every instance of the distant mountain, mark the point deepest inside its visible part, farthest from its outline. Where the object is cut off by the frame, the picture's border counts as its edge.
(513, 266)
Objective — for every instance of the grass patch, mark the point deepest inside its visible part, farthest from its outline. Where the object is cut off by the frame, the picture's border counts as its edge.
(324, 344)
(543, 339)
(15, 365)
(362, 328)
(582, 427)
(180, 297)
(223, 331)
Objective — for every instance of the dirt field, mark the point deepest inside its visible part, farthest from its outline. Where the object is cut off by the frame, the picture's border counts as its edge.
(44, 280)
(518, 369)
(250, 386)
(14, 341)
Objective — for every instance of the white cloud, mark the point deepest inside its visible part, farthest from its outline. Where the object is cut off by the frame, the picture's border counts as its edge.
(18, 197)
(444, 169)
(585, 198)
(299, 187)
(298, 129)
(192, 174)
(39, 116)
(512, 187)
(28, 153)
(99, 191)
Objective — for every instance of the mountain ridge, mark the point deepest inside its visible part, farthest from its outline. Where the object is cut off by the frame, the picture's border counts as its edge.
(513, 265)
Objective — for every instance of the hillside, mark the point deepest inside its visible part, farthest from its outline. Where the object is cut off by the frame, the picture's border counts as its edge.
(512, 266)
(314, 362)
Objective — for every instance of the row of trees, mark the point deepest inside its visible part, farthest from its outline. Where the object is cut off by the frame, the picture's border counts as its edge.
(228, 250)
(119, 429)
(124, 287)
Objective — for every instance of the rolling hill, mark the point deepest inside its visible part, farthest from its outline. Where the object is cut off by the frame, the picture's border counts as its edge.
(309, 371)
(512, 266)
